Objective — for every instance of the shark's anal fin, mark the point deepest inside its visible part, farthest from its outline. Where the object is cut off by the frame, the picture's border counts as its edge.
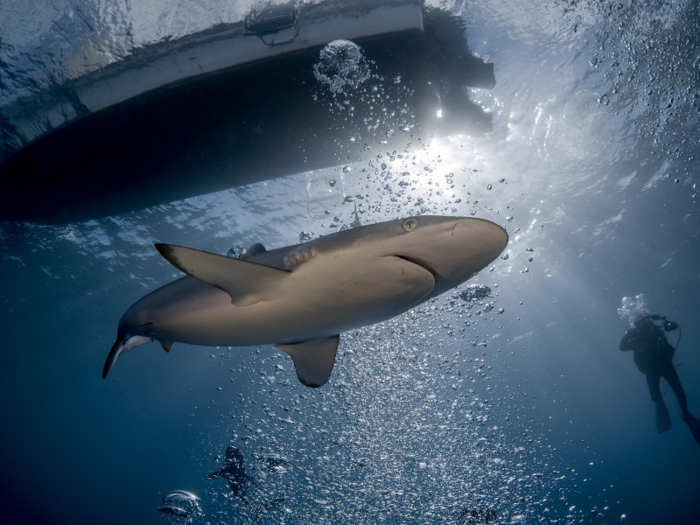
(246, 282)
(313, 359)
(167, 345)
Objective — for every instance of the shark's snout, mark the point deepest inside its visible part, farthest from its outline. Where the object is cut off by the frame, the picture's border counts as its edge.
(454, 249)
(487, 239)
(465, 246)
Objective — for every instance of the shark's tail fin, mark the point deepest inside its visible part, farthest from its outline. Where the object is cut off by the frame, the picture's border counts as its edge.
(114, 353)
(120, 346)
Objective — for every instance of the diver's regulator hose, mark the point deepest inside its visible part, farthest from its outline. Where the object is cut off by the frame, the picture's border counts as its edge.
(680, 334)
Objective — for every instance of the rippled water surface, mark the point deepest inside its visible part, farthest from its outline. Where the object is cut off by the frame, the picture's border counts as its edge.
(515, 399)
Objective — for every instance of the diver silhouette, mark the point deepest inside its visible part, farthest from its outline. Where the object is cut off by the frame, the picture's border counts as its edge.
(238, 481)
(234, 473)
(653, 355)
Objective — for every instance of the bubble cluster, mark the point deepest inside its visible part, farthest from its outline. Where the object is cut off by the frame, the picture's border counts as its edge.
(633, 308)
(181, 505)
(341, 66)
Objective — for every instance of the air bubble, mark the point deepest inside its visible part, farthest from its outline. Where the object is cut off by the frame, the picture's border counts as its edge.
(305, 236)
(236, 252)
(341, 66)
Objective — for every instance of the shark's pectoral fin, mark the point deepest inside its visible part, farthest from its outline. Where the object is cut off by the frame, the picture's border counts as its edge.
(246, 282)
(167, 345)
(313, 359)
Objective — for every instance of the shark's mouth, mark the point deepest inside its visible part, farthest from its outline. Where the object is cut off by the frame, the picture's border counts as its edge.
(420, 263)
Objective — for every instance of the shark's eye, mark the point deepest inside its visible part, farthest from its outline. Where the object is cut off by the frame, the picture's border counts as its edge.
(410, 224)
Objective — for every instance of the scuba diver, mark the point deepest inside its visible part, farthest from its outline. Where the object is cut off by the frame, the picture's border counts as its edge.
(234, 473)
(238, 481)
(653, 355)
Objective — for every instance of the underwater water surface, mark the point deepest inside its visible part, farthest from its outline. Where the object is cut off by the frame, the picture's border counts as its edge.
(504, 402)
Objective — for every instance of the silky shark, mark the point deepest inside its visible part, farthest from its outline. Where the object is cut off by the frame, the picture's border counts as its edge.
(300, 298)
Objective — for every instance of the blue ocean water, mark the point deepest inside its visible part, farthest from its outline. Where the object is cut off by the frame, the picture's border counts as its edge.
(519, 402)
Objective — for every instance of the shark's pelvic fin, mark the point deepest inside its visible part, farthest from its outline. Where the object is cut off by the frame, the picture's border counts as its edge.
(246, 282)
(167, 345)
(254, 250)
(313, 359)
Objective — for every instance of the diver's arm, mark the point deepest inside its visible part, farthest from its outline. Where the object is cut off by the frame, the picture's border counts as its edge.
(627, 342)
(218, 474)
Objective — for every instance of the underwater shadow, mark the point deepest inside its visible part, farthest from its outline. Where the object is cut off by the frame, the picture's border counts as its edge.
(237, 104)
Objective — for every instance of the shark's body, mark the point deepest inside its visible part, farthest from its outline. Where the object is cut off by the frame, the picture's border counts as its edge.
(301, 297)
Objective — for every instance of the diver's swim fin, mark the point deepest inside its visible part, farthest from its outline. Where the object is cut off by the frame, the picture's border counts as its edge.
(663, 418)
(694, 425)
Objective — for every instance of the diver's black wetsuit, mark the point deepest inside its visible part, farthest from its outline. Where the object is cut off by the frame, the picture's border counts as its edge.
(653, 356)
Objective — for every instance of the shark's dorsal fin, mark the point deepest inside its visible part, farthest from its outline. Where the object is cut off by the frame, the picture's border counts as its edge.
(254, 250)
(313, 359)
(246, 282)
